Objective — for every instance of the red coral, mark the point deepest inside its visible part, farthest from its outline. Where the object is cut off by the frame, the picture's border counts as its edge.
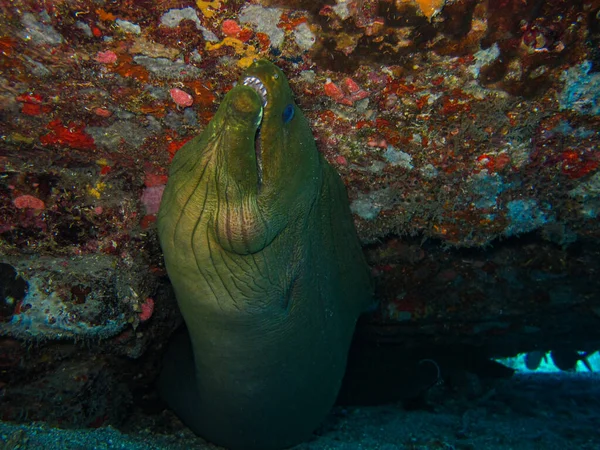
(7, 45)
(30, 109)
(147, 221)
(32, 104)
(102, 112)
(494, 163)
(72, 136)
(231, 28)
(30, 98)
(332, 90)
(575, 165)
(353, 92)
(264, 41)
(174, 146)
(155, 179)
(351, 86)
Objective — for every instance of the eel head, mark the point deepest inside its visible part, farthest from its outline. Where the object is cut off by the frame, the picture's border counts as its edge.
(269, 169)
(252, 171)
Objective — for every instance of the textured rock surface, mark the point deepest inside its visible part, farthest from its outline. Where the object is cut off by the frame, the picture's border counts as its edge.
(466, 132)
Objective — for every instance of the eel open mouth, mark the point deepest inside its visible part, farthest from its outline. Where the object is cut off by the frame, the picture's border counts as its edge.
(258, 86)
(261, 90)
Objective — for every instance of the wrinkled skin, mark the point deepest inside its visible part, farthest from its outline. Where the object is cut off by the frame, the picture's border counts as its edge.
(268, 273)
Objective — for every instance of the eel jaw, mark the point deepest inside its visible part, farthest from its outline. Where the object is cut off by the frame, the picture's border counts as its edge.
(258, 86)
(261, 90)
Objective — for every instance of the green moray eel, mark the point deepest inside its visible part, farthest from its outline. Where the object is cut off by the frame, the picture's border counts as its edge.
(269, 275)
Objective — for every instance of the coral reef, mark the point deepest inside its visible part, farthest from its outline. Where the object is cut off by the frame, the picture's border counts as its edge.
(465, 131)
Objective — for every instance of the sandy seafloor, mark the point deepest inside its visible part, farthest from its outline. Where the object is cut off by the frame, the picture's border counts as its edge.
(528, 411)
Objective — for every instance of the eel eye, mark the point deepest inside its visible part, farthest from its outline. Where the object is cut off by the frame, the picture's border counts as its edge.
(288, 113)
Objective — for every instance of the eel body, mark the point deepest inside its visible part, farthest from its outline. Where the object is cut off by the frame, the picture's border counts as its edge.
(261, 250)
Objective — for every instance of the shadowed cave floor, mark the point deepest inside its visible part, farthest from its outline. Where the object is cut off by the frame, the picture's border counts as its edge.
(528, 411)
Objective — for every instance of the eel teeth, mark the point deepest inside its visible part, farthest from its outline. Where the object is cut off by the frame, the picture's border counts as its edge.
(258, 86)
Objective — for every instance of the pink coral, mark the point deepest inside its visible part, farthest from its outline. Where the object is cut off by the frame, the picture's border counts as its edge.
(180, 97)
(28, 201)
(151, 198)
(107, 57)
(147, 309)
